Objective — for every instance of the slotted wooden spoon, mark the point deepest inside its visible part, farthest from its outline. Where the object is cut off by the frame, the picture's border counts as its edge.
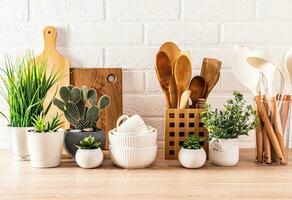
(182, 74)
(210, 71)
(172, 51)
(198, 87)
(164, 72)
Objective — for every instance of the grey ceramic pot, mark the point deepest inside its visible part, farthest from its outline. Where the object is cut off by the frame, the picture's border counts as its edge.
(72, 138)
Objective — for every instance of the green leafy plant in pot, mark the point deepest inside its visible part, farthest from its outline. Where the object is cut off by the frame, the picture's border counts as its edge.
(26, 84)
(80, 109)
(192, 155)
(89, 153)
(225, 126)
(45, 142)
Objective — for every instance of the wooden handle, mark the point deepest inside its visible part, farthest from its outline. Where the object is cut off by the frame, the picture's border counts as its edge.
(259, 139)
(270, 130)
(173, 93)
(267, 147)
(50, 37)
(277, 124)
(285, 111)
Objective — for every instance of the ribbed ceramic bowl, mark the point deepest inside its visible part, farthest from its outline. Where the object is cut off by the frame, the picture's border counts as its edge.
(141, 140)
(133, 158)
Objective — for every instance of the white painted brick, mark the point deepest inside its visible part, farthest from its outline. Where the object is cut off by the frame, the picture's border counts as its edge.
(106, 33)
(152, 84)
(133, 81)
(131, 57)
(84, 57)
(14, 10)
(66, 10)
(132, 10)
(210, 10)
(182, 33)
(258, 33)
(230, 83)
(28, 35)
(271, 9)
(197, 56)
(145, 105)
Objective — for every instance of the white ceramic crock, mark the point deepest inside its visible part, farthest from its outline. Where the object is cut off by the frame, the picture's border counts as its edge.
(18, 142)
(192, 158)
(133, 158)
(224, 152)
(45, 148)
(89, 158)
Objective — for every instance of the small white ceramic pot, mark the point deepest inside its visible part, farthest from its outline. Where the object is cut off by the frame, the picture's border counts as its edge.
(192, 158)
(224, 152)
(19, 142)
(89, 158)
(45, 148)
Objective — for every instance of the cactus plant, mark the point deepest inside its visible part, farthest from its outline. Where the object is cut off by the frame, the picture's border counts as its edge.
(73, 103)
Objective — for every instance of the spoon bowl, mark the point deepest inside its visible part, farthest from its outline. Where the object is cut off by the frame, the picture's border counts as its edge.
(198, 87)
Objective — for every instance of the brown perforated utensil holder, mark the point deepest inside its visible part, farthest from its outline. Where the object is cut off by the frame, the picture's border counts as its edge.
(179, 124)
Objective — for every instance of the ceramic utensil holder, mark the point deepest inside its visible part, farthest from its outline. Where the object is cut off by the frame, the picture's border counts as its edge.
(273, 130)
(179, 124)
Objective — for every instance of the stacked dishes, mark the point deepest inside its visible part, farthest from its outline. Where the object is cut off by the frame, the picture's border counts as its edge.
(132, 143)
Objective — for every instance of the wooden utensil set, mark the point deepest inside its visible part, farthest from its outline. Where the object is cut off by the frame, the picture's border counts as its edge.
(174, 70)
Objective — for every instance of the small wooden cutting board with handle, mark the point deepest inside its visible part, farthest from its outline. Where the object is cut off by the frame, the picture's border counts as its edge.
(57, 63)
(106, 81)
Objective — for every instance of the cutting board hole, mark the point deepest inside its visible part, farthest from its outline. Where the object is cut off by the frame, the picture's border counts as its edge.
(111, 78)
(49, 32)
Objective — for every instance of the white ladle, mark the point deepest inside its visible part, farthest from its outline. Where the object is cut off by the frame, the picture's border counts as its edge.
(243, 71)
(260, 60)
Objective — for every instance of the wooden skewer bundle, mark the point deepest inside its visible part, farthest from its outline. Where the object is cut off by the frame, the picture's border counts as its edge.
(270, 138)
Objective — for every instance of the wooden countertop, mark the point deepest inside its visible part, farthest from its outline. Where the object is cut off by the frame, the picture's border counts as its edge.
(163, 180)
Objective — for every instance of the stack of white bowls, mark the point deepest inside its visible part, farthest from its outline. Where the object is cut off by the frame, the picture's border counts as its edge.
(132, 143)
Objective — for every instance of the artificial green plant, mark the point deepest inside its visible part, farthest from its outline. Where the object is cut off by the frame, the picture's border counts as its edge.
(26, 84)
(89, 143)
(74, 103)
(192, 142)
(42, 126)
(234, 120)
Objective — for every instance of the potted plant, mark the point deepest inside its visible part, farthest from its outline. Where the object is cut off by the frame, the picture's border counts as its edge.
(192, 155)
(225, 126)
(89, 153)
(78, 105)
(45, 142)
(25, 87)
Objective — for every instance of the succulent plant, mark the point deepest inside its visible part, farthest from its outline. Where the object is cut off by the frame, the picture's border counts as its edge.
(89, 143)
(74, 103)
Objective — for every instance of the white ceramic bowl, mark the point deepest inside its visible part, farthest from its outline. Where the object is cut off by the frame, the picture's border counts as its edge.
(133, 158)
(133, 141)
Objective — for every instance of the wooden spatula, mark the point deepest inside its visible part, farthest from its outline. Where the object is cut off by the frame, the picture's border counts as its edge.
(172, 51)
(210, 71)
(164, 73)
(198, 87)
(182, 74)
(56, 63)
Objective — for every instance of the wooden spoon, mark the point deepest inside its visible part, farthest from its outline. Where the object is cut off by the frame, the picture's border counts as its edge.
(182, 74)
(164, 72)
(210, 71)
(198, 87)
(172, 51)
(184, 100)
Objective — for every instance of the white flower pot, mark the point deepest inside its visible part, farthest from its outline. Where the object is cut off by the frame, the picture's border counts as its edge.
(19, 142)
(224, 152)
(192, 158)
(89, 158)
(45, 148)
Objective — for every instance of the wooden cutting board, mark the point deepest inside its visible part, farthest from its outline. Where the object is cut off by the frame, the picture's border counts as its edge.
(56, 63)
(105, 81)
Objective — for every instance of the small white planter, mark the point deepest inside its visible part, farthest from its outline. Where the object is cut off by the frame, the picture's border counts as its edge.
(224, 152)
(89, 158)
(45, 148)
(19, 142)
(192, 158)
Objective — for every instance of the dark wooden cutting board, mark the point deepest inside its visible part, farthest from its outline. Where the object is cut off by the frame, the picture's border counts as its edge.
(106, 81)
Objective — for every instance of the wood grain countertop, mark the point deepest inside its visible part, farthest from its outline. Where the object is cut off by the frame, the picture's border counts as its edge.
(163, 180)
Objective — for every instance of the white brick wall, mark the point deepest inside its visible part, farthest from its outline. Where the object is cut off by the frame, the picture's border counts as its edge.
(127, 33)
